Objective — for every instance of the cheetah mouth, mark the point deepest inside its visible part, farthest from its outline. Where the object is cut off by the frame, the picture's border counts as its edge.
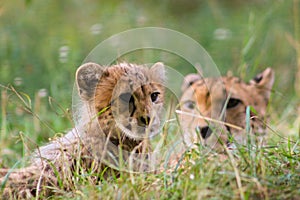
(231, 146)
(137, 132)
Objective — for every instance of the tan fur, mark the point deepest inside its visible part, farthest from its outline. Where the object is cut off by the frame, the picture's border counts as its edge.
(212, 97)
(109, 126)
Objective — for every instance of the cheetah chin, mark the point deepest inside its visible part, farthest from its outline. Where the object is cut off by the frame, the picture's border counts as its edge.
(134, 131)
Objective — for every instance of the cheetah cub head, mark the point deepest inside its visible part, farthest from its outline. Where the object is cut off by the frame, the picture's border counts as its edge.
(126, 98)
(215, 108)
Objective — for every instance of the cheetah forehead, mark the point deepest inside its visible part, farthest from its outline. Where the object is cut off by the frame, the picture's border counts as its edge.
(222, 87)
(131, 76)
(208, 89)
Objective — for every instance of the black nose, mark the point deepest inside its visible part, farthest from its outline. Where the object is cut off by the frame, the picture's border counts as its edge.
(204, 131)
(144, 121)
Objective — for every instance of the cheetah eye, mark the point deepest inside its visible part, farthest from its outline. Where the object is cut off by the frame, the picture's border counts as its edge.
(126, 97)
(190, 105)
(154, 96)
(233, 103)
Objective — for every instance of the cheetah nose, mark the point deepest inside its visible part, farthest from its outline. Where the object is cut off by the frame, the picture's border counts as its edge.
(204, 131)
(144, 120)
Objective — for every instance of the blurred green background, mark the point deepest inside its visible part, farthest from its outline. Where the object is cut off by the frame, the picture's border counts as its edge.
(43, 42)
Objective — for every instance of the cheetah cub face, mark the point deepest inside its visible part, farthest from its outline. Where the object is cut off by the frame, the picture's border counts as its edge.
(137, 102)
(207, 100)
(127, 98)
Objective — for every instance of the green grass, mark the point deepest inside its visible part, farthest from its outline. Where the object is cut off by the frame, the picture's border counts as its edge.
(33, 32)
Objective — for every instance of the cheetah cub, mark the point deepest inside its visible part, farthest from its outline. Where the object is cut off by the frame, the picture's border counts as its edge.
(119, 108)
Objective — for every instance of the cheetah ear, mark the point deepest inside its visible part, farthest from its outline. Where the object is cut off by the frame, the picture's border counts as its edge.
(87, 77)
(264, 81)
(189, 80)
(158, 72)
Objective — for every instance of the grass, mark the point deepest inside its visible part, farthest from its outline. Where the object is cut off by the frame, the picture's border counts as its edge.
(37, 79)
